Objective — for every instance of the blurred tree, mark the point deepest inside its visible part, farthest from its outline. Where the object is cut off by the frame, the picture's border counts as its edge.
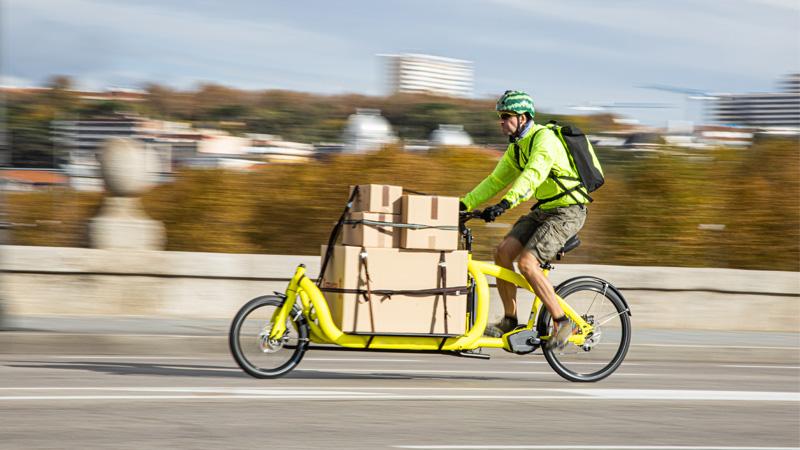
(653, 210)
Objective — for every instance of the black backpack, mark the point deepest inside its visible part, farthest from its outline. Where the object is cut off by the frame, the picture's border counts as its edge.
(583, 159)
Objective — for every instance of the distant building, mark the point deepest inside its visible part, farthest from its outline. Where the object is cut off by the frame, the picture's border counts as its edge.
(273, 149)
(725, 136)
(31, 179)
(450, 136)
(426, 74)
(765, 110)
(80, 141)
(366, 131)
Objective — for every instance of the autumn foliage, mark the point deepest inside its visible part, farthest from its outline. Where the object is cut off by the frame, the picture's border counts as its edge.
(717, 208)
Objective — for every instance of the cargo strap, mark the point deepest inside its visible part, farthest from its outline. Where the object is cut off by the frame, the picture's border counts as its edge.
(443, 285)
(413, 226)
(335, 235)
(388, 293)
(368, 298)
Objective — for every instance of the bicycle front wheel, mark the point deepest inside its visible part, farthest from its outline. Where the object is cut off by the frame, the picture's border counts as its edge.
(254, 351)
(605, 348)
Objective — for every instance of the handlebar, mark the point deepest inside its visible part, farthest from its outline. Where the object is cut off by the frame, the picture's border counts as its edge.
(465, 216)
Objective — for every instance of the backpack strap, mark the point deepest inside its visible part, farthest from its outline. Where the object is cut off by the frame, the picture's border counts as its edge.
(530, 147)
(558, 178)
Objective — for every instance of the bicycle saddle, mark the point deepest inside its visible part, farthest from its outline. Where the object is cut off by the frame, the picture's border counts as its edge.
(571, 244)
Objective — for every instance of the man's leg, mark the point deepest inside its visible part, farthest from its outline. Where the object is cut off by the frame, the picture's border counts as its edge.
(504, 256)
(556, 227)
(529, 267)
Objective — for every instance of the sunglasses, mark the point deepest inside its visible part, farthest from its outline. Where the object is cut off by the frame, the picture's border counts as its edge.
(506, 116)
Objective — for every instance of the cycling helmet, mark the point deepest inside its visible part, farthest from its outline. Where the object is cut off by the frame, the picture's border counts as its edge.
(517, 102)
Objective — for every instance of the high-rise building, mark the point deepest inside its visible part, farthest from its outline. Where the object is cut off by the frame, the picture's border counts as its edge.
(80, 142)
(766, 110)
(426, 74)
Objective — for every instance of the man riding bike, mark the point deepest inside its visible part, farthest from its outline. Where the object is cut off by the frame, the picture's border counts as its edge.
(533, 153)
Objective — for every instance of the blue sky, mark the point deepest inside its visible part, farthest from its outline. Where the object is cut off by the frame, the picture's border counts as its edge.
(565, 53)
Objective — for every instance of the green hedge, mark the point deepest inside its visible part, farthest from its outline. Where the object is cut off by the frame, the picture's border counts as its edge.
(652, 210)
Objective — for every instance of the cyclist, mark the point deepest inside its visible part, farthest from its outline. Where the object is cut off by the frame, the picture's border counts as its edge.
(557, 216)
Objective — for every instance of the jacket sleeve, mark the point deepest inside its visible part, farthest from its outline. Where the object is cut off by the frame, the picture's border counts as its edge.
(503, 174)
(536, 170)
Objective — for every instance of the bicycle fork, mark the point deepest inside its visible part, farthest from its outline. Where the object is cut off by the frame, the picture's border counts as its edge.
(280, 315)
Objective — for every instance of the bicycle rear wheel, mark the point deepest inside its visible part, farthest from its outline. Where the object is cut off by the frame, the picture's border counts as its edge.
(254, 351)
(605, 348)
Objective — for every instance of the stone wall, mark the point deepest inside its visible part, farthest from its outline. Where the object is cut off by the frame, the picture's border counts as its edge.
(48, 281)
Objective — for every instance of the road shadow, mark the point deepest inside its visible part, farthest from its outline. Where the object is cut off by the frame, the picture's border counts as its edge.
(220, 371)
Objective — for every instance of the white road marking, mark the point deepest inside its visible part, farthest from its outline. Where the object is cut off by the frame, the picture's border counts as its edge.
(721, 346)
(746, 366)
(583, 363)
(361, 360)
(582, 447)
(377, 393)
(423, 371)
(196, 358)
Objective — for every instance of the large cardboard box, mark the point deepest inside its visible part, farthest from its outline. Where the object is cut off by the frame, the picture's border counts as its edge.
(365, 235)
(377, 198)
(429, 210)
(395, 269)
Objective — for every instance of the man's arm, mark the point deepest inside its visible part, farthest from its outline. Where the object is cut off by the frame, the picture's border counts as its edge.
(503, 174)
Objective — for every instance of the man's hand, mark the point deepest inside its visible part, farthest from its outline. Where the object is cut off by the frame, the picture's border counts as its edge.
(493, 212)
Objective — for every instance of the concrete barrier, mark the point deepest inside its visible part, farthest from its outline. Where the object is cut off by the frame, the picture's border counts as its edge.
(52, 281)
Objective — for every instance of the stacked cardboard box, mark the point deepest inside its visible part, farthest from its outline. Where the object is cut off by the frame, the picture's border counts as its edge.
(378, 257)
(433, 211)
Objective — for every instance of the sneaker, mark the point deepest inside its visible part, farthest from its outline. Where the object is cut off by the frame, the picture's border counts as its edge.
(562, 335)
(505, 325)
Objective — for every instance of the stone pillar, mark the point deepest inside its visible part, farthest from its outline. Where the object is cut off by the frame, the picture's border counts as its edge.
(122, 224)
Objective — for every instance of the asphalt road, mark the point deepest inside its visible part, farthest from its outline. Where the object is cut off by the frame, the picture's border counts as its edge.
(706, 394)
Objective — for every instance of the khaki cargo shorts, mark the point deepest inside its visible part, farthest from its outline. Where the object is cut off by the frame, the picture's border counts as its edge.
(544, 232)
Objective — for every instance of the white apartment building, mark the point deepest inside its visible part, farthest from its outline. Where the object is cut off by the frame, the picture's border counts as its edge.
(765, 110)
(426, 74)
(80, 141)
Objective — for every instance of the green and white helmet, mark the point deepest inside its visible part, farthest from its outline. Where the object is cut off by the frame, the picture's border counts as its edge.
(517, 102)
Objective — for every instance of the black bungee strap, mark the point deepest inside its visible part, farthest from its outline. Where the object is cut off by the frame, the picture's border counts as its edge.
(443, 282)
(412, 226)
(335, 235)
(388, 293)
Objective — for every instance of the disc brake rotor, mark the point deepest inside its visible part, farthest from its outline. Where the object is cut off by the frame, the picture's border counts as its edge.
(268, 345)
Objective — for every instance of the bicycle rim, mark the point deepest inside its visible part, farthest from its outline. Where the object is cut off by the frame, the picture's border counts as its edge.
(606, 347)
(251, 347)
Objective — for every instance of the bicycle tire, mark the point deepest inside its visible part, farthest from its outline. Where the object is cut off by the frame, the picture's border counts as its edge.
(294, 346)
(618, 314)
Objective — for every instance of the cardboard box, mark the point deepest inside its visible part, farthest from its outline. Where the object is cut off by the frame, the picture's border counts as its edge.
(429, 210)
(395, 269)
(364, 235)
(377, 198)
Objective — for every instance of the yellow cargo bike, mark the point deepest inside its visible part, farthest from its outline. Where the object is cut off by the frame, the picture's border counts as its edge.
(270, 334)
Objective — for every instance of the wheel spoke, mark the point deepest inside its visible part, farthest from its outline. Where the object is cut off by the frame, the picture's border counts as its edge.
(610, 317)
(606, 346)
(258, 355)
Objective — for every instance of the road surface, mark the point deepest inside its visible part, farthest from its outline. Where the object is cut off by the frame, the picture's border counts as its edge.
(702, 392)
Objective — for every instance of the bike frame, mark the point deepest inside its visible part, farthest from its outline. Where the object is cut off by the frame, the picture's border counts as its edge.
(314, 308)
